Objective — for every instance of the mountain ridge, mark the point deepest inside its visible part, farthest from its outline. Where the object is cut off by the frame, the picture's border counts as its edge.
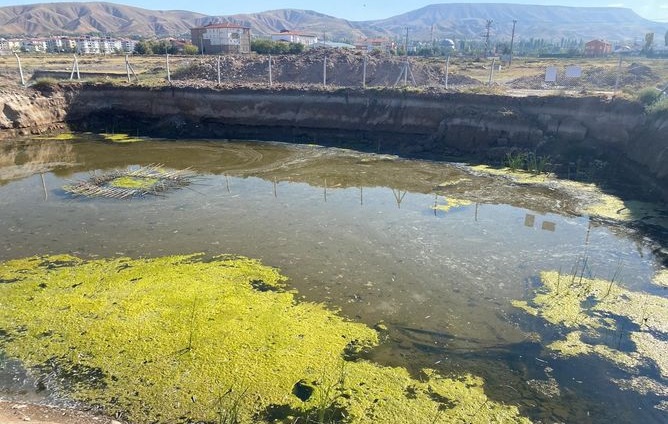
(449, 20)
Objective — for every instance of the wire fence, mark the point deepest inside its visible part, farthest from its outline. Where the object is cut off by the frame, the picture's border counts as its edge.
(331, 68)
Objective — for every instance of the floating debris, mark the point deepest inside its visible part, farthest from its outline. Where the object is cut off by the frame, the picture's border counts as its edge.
(129, 183)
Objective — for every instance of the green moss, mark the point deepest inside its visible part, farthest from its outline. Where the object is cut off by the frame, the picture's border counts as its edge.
(61, 136)
(132, 182)
(180, 338)
(120, 138)
(518, 176)
(592, 309)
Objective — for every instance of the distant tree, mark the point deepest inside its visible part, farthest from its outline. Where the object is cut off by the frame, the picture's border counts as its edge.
(296, 48)
(163, 47)
(264, 46)
(143, 47)
(649, 41)
(190, 49)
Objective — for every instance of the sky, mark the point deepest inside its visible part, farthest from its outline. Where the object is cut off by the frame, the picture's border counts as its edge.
(360, 10)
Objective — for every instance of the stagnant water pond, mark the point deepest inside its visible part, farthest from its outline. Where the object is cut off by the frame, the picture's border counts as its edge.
(444, 261)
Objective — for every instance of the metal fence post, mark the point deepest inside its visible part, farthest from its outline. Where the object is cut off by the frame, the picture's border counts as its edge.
(127, 67)
(491, 72)
(324, 72)
(447, 71)
(218, 69)
(364, 72)
(169, 76)
(619, 74)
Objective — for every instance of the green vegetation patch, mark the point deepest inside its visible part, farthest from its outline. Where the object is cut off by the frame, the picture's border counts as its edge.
(194, 339)
(61, 136)
(126, 181)
(120, 138)
(597, 315)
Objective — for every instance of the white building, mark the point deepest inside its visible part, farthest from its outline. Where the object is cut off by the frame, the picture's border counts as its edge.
(128, 46)
(88, 45)
(295, 37)
(221, 38)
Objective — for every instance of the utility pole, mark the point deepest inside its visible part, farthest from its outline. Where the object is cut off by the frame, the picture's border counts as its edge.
(488, 26)
(512, 39)
(406, 52)
(432, 37)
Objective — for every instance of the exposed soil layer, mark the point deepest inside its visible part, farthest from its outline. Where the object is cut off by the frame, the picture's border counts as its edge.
(427, 124)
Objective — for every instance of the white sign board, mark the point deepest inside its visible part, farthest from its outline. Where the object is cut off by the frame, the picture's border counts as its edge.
(573, 72)
(551, 74)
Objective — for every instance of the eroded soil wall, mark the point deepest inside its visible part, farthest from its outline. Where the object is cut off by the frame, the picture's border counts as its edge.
(388, 121)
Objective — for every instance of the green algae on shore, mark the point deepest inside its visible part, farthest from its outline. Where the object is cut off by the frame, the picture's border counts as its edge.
(120, 138)
(661, 278)
(194, 339)
(592, 200)
(591, 310)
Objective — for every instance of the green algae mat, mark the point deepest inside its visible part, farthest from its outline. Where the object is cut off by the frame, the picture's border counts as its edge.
(212, 340)
(602, 318)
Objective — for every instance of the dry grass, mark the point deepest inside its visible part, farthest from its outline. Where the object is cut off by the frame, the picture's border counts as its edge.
(153, 68)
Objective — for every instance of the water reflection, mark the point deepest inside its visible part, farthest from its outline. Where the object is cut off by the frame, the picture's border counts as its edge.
(432, 252)
(28, 157)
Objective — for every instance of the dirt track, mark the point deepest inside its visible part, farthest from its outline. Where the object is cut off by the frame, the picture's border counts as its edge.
(21, 413)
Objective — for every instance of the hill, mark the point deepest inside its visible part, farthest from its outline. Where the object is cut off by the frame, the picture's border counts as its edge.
(82, 18)
(460, 20)
(463, 20)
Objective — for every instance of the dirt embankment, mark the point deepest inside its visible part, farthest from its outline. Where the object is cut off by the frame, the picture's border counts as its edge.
(428, 124)
(31, 112)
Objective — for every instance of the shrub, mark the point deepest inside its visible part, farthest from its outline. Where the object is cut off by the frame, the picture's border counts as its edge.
(658, 107)
(45, 85)
(648, 96)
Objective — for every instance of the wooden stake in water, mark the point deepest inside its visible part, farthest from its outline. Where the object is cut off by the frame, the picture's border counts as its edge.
(271, 81)
(361, 197)
(46, 193)
(18, 59)
(325, 191)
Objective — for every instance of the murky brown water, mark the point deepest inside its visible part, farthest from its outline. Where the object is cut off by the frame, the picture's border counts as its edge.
(358, 232)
